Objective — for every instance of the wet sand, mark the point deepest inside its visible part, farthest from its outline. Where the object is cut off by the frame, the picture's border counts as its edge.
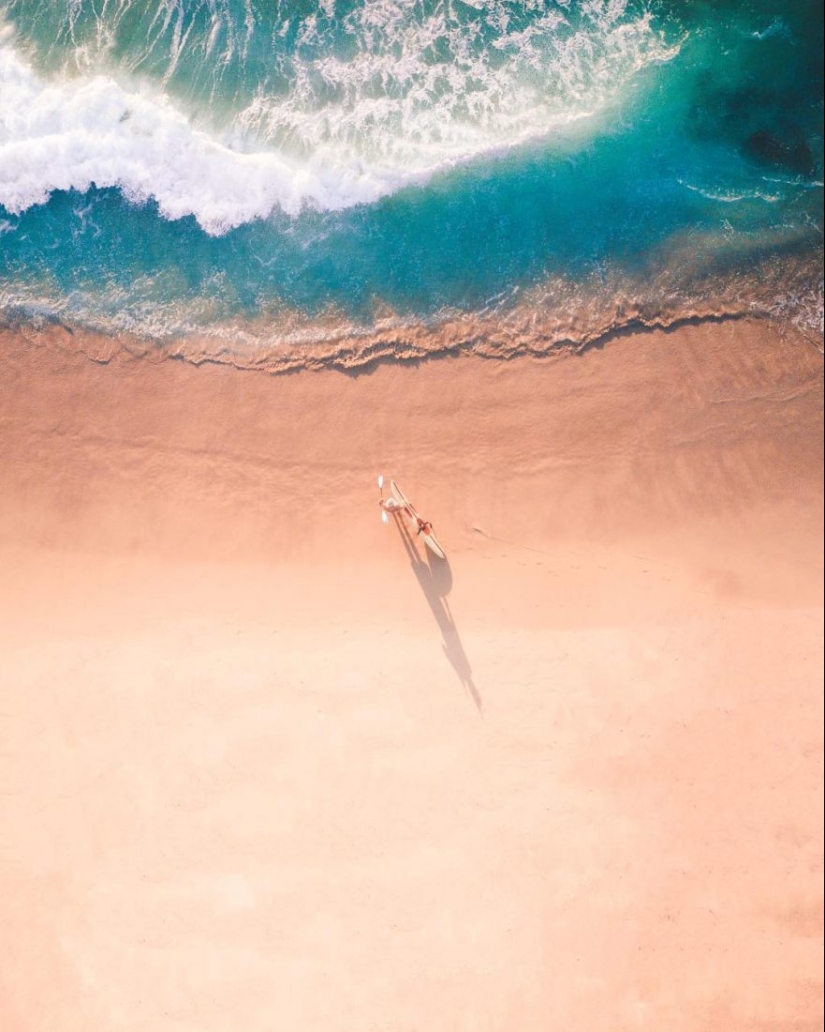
(265, 765)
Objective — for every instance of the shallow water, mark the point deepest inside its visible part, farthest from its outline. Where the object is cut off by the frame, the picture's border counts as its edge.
(266, 173)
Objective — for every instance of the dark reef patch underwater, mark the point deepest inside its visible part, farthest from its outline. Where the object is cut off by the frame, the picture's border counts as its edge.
(271, 177)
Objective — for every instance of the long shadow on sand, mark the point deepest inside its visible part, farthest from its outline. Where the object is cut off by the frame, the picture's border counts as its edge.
(436, 579)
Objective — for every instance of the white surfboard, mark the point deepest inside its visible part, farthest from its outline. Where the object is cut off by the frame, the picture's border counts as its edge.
(430, 540)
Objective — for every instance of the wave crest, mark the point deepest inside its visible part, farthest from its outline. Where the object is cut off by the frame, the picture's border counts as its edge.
(350, 113)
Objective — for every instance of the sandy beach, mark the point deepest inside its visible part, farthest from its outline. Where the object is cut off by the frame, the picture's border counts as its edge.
(265, 766)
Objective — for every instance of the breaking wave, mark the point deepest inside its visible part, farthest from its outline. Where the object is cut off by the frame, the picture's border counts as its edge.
(346, 111)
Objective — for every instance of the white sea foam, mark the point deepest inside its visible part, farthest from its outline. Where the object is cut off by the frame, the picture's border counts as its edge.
(418, 95)
(75, 134)
(732, 195)
(425, 90)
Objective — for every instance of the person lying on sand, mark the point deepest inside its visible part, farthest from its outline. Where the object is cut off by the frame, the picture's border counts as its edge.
(393, 507)
(401, 506)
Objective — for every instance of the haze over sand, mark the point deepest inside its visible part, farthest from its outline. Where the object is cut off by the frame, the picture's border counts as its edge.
(265, 766)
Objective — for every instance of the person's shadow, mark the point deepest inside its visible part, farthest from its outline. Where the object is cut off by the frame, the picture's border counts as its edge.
(436, 579)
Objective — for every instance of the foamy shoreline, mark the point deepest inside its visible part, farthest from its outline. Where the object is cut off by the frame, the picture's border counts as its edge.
(262, 767)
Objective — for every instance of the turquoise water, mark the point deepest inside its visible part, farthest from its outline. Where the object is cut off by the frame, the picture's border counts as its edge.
(204, 166)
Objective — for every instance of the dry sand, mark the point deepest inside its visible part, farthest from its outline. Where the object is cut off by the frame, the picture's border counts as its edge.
(264, 768)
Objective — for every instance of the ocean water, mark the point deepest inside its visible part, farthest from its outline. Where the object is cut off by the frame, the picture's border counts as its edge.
(268, 175)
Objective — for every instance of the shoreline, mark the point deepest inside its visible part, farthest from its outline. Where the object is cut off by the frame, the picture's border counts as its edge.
(543, 321)
(265, 766)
